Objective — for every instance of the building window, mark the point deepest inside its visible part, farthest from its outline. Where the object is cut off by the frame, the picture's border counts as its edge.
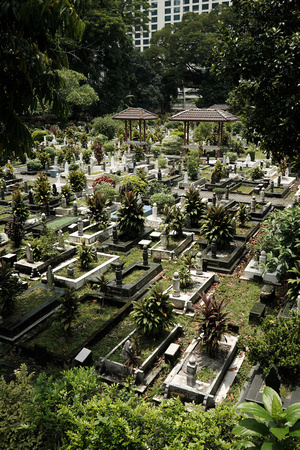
(204, 7)
(168, 3)
(177, 17)
(154, 13)
(137, 28)
(137, 35)
(146, 35)
(154, 19)
(196, 8)
(195, 1)
(154, 5)
(168, 11)
(177, 10)
(137, 42)
(186, 8)
(176, 2)
(146, 41)
(214, 5)
(153, 27)
(186, 2)
(225, 3)
(146, 47)
(167, 18)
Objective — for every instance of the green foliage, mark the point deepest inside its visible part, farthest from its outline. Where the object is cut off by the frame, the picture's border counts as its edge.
(154, 313)
(19, 206)
(98, 152)
(192, 168)
(219, 193)
(77, 180)
(212, 323)
(203, 131)
(38, 135)
(279, 429)
(42, 191)
(219, 171)
(9, 170)
(294, 281)
(16, 433)
(279, 344)
(86, 156)
(34, 165)
(66, 191)
(44, 158)
(138, 153)
(137, 183)
(216, 224)
(105, 125)
(174, 220)
(68, 310)
(256, 173)
(43, 247)
(74, 91)
(185, 277)
(86, 255)
(109, 147)
(10, 288)
(243, 214)
(282, 237)
(73, 166)
(162, 162)
(194, 206)
(161, 201)
(97, 203)
(172, 145)
(51, 152)
(15, 230)
(108, 191)
(233, 156)
(131, 217)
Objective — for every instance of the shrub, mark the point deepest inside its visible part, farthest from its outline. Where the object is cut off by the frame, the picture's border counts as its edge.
(162, 199)
(51, 151)
(97, 203)
(10, 288)
(42, 191)
(103, 179)
(212, 323)
(86, 156)
(252, 154)
(66, 191)
(156, 151)
(194, 206)
(216, 224)
(105, 125)
(137, 183)
(131, 217)
(44, 158)
(219, 193)
(73, 166)
(98, 152)
(68, 311)
(162, 162)
(219, 171)
(256, 173)
(19, 206)
(43, 247)
(15, 230)
(233, 156)
(243, 214)
(38, 135)
(77, 180)
(174, 220)
(172, 145)
(9, 171)
(86, 255)
(138, 153)
(109, 147)
(109, 192)
(154, 313)
(192, 168)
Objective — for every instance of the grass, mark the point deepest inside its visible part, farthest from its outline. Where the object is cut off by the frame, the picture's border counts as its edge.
(206, 374)
(245, 228)
(91, 316)
(133, 275)
(28, 302)
(78, 271)
(57, 223)
(244, 189)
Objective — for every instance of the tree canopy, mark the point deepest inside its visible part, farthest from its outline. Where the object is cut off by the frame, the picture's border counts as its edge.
(261, 52)
(30, 56)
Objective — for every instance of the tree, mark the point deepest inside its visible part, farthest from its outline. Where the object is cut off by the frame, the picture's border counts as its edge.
(42, 191)
(260, 54)
(74, 91)
(30, 54)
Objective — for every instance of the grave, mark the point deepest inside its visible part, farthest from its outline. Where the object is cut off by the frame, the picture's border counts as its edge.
(88, 234)
(159, 250)
(224, 261)
(121, 243)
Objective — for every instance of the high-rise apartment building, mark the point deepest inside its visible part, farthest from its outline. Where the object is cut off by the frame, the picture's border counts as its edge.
(163, 12)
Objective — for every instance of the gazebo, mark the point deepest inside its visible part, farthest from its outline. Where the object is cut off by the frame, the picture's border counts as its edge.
(204, 115)
(139, 115)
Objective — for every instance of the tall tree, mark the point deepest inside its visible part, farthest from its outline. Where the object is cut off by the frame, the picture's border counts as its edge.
(261, 52)
(30, 53)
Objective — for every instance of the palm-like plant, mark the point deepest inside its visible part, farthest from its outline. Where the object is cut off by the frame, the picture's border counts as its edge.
(68, 310)
(154, 313)
(19, 206)
(194, 206)
(217, 225)
(131, 216)
(174, 220)
(86, 255)
(243, 214)
(294, 281)
(212, 323)
(97, 203)
(42, 191)
(10, 287)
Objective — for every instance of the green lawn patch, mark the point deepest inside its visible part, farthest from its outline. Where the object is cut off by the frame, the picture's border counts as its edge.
(78, 271)
(28, 302)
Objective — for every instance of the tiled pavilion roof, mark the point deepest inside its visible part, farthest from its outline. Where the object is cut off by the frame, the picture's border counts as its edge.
(204, 115)
(135, 114)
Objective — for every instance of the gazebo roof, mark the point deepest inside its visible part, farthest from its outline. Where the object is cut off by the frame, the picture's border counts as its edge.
(204, 115)
(135, 114)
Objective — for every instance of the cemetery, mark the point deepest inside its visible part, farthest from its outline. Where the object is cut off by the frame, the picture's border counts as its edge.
(164, 296)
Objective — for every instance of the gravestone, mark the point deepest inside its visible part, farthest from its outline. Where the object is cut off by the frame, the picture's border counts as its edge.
(115, 235)
(213, 178)
(273, 379)
(154, 210)
(29, 253)
(176, 284)
(191, 372)
(127, 350)
(50, 278)
(60, 238)
(199, 267)
(80, 227)
(63, 202)
(30, 197)
(159, 176)
(70, 271)
(145, 255)
(214, 248)
(54, 190)
(75, 208)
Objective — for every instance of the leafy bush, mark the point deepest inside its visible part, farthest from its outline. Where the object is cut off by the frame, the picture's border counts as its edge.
(44, 158)
(137, 183)
(15, 230)
(66, 191)
(279, 344)
(172, 145)
(86, 255)
(256, 173)
(10, 288)
(34, 165)
(161, 200)
(216, 224)
(109, 147)
(77, 180)
(162, 162)
(38, 135)
(243, 214)
(19, 207)
(97, 203)
(154, 313)
(68, 310)
(219, 193)
(42, 191)
(131, 217)
(43, 247)
(219, 171)
(233, 156)
(51, 151)
(174, 220)
(86, 155)
(109, 192)
(192, 168)
(194, 206)
(103, 179)
(73, 166)
(105, 125)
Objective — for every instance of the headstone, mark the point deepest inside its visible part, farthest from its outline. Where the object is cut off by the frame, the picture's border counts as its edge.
(70, 271)
(227, 194)
(213, 178)
(234, 168)
(63, 201)
(214, 248)
(214, 198)
(115, 235)
(253, 204)
(191, 372)
(233, 223)
(279, 181)
(263, 257)
(30, 197)
(2, 193)
(29, 253)
(199, 267)
(154, 210)
(164, 241)
(186, 177)
(207, 159)
(262, 195)
(26, 187)
(60, 238)
(287, 172)
(89, 170)
(80, 227)
(176, 284)
(66, 168)
(272, 186)
(145, 255)
(54, 190)
(75, 208)
(55, 161)
(127, 350)
(159, 176)
(50, 278)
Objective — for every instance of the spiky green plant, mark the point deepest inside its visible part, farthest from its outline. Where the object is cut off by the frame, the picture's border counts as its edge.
(69, 310)
(10, 288)
(42, 191)
(19, 206)
(174, 220)
(194, 206)
(243, 214)
(86, 255)
(217, 225)
(97, 203)
(131, 218)
(294, 281)
(213, 322)
(154, 313)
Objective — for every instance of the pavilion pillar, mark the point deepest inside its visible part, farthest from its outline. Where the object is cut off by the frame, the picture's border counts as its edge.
(184, 133)
(219, 134)
(130, 130)
(188, 133)
(140, 129)
(145, 130)
(125, 130)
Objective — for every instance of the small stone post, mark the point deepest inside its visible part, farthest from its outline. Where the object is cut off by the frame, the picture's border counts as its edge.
(145, 255)
(279, 181)
(253, 204)
(176, 284)
(154, 210)
(262, 195)
(70, 271)
(272, 186)
(75, 208)
(227, 194)
(214, 199)
(115, 235)
(199, 269)
(164, 241)
(80, 227)
(63, 201)
(50, 278)
(159, 176)
(191, 372)
(214, 248)
(263, 257)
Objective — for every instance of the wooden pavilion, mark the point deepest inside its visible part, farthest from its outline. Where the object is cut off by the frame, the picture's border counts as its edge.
(139, 115)
(203, 115)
